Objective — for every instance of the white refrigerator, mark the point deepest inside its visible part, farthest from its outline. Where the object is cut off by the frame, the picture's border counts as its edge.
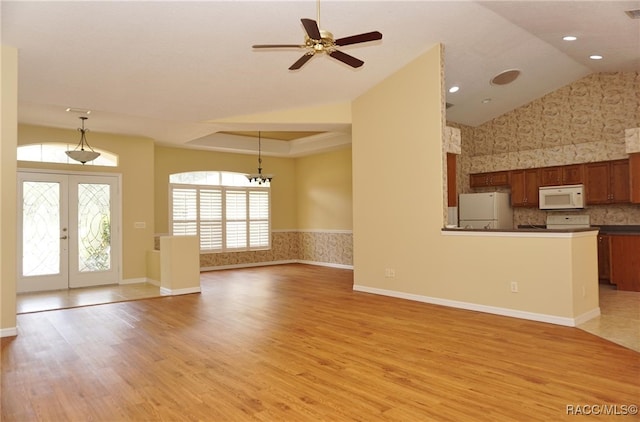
(489, 210)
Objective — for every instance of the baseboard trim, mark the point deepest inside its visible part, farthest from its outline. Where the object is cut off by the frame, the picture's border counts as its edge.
(9, 332)
(164, 291)
(133, 280)
(268, 263)
(581, 319)
(513, 313)
(326, 264)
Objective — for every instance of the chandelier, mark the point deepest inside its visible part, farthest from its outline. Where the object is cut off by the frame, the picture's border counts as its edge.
(79, 153)
(259, 177)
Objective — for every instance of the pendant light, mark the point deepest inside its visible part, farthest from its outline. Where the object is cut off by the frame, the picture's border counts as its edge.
(79, 153)
(259, 177)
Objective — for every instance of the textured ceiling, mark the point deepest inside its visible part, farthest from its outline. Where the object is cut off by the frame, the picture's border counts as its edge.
(167, 70)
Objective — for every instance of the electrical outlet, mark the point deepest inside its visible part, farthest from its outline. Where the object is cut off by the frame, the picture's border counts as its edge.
(389, 273)
(514, 287)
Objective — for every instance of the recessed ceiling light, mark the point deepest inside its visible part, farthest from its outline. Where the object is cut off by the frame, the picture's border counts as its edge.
(454, 89)
(569, 38)
(486, 100)
(596, 57)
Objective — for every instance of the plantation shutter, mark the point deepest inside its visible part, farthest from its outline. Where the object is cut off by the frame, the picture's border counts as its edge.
(185, 211)
(226, 218)
(258, 219)
(236, 212)
(211, 219)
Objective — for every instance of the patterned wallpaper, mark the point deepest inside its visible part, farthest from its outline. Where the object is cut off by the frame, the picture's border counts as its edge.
(320, 247)
(578, 123)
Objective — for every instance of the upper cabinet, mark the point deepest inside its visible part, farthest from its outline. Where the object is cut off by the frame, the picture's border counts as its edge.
(496, 178)
(562, 175)
(607, 182)
(524, 188)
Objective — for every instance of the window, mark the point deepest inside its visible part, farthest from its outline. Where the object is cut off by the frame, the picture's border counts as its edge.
(54, 152)
(225, 209)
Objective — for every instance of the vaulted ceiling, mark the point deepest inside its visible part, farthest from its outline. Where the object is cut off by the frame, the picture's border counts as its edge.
(173, 70)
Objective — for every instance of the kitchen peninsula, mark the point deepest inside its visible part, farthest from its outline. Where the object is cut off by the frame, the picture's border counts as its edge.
(537, 274)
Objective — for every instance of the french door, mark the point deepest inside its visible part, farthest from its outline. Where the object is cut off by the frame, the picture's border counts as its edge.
(68, 231)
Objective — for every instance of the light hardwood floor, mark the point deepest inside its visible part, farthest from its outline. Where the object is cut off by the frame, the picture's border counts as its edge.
(295, 343)
(619, 320)
(86, 296)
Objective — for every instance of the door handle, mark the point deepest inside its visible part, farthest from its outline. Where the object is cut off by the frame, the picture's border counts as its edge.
(63, 237)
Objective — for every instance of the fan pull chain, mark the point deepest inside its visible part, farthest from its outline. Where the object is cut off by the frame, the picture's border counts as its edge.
(318, 12)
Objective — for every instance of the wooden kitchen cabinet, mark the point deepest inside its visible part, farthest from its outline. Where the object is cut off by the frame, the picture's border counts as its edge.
(573, 174)
(604, 257)
(634, 177)
(452, 191)
(496, 178)
(524, 188)
(625, 262)
(607, 182)
(561, 175)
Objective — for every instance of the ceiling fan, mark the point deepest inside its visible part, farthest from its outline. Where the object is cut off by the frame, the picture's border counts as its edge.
(317, 41)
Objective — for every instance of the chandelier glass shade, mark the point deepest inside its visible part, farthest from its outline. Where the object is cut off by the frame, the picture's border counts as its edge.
(80, 153)
(259, 177)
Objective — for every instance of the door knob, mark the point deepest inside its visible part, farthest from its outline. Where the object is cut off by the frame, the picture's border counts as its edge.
(63, 237)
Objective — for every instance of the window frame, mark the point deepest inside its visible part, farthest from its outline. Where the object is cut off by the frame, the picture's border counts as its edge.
(249, 220)
(57, 151)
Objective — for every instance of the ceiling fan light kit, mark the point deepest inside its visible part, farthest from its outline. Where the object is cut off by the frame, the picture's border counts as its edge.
(317, 41)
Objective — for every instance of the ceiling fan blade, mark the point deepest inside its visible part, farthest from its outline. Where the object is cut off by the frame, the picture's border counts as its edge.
(354, 39)
(301, 61)
(312, 28)
(277, 46)
(345, 58)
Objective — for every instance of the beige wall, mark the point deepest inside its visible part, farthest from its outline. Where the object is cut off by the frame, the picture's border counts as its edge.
(311, 204)
(578, 123)
(8, 219)
(177, 160)
(397, 135)
(136, 158)
(397, 130)
(480, 269)
(323, 191)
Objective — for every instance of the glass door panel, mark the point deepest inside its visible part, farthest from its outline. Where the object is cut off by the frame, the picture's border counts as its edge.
(43, 237)
(94, 227)
(92, 206)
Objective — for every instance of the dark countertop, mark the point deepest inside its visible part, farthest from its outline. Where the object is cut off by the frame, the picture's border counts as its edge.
(619, 229)
(522, 229)
(626, 230)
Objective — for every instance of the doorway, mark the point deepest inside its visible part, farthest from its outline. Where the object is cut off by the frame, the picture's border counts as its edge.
(68, 230)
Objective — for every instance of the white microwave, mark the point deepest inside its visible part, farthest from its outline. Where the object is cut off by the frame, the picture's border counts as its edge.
(561, 197)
